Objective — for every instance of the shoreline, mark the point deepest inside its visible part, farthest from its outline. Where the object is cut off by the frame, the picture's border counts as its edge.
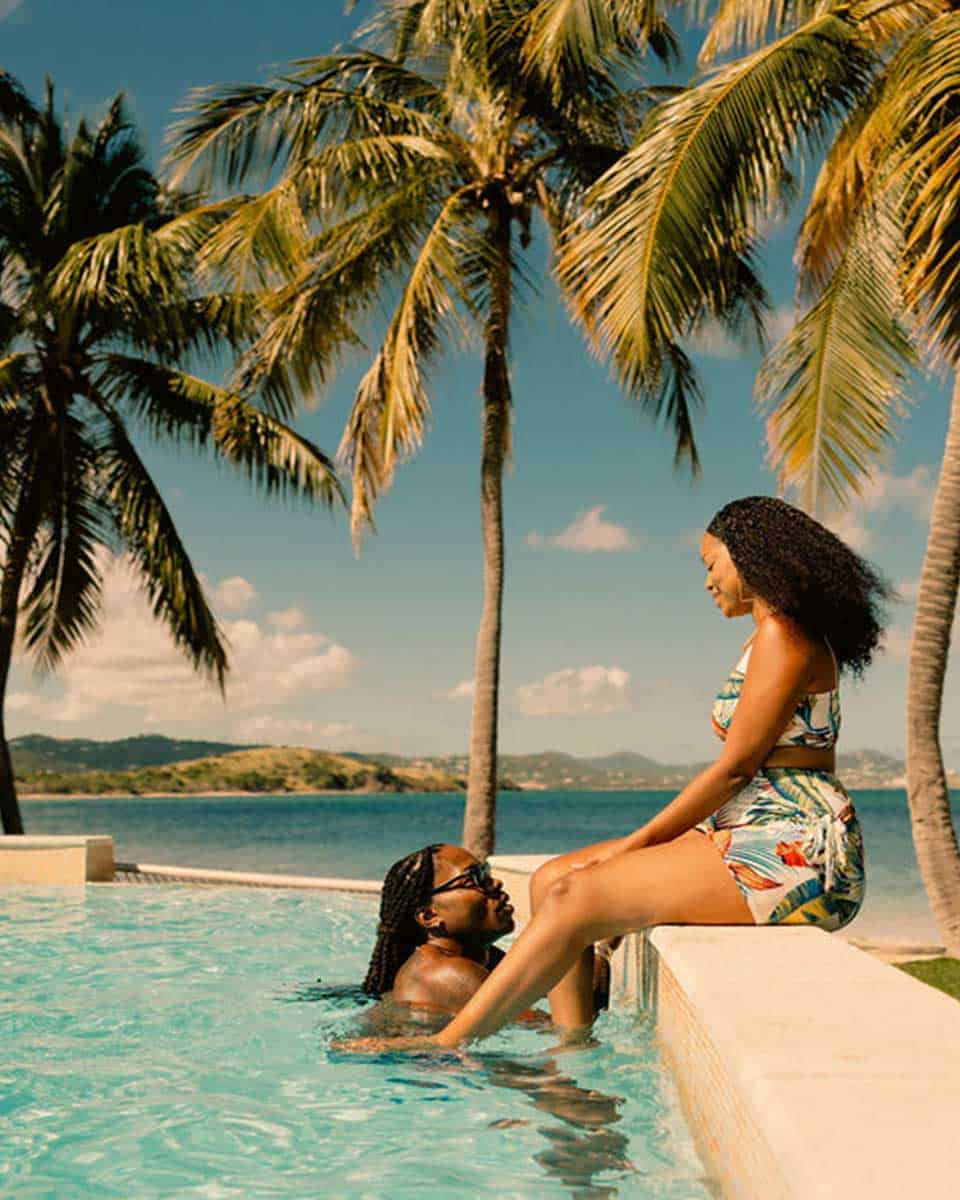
(226, 793)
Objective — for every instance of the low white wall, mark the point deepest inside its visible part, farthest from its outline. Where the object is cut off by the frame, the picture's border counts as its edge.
(807, 1068)
(53, 860)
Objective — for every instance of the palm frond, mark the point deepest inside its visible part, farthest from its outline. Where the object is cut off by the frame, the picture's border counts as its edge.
(744, 25)
(176, 406)
(234, 132)
(62, 602)
(148, 533)
(392, 406)
(858, 152)
(832, 385)
(134, 263)
(311, 321)
(928, 113)
(568, 39)
(668, 232)
(15, 378)
(887, 22)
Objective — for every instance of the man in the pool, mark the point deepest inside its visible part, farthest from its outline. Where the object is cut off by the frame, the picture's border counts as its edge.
(440, 914)
(441, 911)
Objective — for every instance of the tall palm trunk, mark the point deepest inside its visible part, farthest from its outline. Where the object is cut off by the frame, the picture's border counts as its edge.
(933, 832)
(22, 530)
(479, 821)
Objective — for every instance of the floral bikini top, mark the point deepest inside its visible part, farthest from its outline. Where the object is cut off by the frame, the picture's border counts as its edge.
(816, 722)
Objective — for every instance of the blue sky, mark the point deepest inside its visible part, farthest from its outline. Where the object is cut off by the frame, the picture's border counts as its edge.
(609, 640)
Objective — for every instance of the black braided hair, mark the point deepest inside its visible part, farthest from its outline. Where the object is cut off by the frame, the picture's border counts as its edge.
(807, 573)
(406, 888)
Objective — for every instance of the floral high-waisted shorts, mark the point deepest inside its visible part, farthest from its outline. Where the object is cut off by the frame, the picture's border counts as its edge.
(793, 844)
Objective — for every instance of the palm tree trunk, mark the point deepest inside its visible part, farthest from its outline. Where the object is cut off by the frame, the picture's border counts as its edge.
(23, 528)
(933, 832)
(479, 821)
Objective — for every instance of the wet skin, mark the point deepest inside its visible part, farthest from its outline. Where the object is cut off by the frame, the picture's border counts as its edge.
(461, 925)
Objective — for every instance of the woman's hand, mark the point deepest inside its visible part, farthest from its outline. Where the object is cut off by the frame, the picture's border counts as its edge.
(632, 841)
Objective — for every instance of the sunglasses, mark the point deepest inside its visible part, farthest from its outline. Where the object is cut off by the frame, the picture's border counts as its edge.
(477, 875)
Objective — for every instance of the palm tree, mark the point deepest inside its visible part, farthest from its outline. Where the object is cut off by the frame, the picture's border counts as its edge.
(97, 313)
(877, 257)
(410, 171)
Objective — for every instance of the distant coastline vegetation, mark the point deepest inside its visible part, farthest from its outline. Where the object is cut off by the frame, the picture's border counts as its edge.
(156, 764)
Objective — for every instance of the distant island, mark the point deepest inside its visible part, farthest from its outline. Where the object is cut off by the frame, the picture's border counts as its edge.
(157, 765)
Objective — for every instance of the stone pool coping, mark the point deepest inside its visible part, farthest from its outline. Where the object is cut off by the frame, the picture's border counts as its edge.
(56, 859)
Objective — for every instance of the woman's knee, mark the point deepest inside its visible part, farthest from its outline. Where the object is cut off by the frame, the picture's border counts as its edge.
(567, 899)
(544, 877)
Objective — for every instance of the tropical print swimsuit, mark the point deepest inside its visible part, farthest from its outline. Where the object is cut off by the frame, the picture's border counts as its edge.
(790, 837)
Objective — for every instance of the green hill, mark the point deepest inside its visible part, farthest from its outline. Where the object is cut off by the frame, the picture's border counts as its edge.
(267, 769)
(34, 752)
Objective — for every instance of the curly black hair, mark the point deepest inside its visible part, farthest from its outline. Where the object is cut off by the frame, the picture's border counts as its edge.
(807, 573)
(406, 888)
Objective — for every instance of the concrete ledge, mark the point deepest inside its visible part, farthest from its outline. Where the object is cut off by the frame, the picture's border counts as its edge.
(807, 1068)
(69, 859)
(164, 873)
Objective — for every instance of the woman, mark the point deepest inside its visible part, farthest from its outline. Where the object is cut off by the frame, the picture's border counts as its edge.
(765, 834)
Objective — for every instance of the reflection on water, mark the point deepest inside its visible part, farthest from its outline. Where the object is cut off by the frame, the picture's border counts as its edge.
(581, 1145)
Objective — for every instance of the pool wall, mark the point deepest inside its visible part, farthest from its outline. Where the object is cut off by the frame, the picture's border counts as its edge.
(807, 1068)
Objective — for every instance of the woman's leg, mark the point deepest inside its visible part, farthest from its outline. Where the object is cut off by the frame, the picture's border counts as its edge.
(683, 882)
(571, 1000)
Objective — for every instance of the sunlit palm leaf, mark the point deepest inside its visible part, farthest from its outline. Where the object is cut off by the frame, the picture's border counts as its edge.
(929, 115)
(832, 384)
(312, 320)
(236, 132)
(391, 406)
(746, 24)
(571, 37)
(654, 255)
(857, 153)
(135, 263)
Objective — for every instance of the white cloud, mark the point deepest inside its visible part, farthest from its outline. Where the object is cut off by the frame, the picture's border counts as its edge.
(884, 494)
(575, 692)
(849, 526)
(131, 665)
(234, 595)
(713, 341)
(913, 492)
(287, 731)
(462, 691)
(287, 619)
(587, 534)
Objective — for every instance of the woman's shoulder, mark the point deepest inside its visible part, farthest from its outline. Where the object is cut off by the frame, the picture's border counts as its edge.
(780, 634)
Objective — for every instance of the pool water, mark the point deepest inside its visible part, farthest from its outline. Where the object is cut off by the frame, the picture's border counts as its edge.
(163, 1042)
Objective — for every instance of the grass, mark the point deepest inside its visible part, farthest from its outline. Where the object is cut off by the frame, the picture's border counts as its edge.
(942, 973)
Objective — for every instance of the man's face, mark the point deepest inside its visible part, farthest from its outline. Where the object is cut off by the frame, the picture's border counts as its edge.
(474, 908)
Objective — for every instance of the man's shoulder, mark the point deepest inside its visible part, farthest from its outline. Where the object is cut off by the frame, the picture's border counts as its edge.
(430, 976)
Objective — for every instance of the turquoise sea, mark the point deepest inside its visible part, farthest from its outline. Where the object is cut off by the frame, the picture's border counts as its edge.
(360, 835)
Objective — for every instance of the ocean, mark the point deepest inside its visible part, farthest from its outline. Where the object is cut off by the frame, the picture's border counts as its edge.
(359, 836)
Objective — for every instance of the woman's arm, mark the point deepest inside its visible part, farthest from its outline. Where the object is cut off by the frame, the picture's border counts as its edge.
(778, 675)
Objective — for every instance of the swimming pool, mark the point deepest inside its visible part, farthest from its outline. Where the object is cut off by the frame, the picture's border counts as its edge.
(163, 1042)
